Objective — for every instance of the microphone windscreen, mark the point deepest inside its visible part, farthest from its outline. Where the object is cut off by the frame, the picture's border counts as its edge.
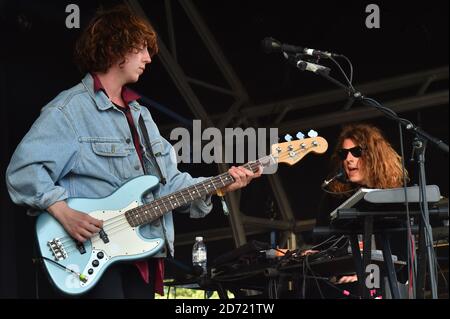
(343, 178)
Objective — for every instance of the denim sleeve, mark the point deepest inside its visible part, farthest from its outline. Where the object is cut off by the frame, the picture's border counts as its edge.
(47, 153)
(178, 180)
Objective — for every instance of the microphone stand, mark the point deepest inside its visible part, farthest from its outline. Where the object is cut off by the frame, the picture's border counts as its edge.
(420, 141)
(355, 95)
(425, 231)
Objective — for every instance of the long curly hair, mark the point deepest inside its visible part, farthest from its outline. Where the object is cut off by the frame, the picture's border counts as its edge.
(382, 164)
(110, 35)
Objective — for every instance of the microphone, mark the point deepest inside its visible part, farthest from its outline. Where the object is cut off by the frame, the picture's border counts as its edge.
(306, 66)
(271, 45)
(341, 175)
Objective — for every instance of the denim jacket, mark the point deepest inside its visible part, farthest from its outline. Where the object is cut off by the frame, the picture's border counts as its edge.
(81, 146)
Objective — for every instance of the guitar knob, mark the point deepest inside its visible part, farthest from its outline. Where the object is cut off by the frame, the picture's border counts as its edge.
(288, 138)
(300, 136)
(312, 133)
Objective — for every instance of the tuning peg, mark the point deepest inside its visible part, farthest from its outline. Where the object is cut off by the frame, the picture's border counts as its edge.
(300, 135)
(288, 138)
(312, 133)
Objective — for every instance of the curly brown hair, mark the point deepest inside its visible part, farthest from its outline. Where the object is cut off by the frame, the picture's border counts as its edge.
(382, 164)
(110, 35)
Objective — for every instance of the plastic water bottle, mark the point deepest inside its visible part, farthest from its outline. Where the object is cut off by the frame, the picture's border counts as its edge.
(199, 255)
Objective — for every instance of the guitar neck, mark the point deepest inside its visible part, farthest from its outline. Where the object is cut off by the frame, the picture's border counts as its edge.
(147, 213)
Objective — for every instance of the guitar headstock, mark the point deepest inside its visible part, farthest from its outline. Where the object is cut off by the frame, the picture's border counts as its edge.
(292, 151)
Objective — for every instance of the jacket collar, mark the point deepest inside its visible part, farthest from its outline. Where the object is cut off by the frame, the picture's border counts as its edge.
(101, 99)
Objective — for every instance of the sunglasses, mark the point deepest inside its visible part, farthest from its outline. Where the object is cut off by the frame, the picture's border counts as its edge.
(356, 152)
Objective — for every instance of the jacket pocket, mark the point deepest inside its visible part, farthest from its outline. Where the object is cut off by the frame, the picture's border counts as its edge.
(110, 149)
(114, 155)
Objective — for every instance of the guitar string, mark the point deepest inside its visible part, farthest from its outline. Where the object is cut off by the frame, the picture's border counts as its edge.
(187, 191)
(71, 246)
(119, 222)
(166, 199)
(121, 219)
(162, 201)
(120, 228)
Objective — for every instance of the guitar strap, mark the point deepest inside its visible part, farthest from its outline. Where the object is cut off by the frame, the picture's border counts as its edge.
(152, 157)
(149, 150)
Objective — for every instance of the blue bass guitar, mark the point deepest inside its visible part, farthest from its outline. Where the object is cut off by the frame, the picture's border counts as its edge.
(76, 267)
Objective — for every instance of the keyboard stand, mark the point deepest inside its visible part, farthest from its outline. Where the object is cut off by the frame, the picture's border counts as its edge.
(361, 262)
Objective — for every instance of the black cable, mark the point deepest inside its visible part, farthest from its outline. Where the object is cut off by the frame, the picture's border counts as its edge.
(233, 277)
(410, 253)
(314, 276)
(343, 73)
(391, 114)
(339, 193)
(36, 263)
(168, 292)
(341, 290)
(351, 67)
(80, 276)
(306, 266)
(442, 272)
(339, 239)
(283, 252)
(275, 288)
(334, 244)
(36, 279)
(324, 242)
(428, 236)
(304, 280)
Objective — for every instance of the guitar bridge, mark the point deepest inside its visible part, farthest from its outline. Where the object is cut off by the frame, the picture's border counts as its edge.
(57, 249)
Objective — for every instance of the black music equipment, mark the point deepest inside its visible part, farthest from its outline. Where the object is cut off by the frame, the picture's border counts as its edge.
(386, 202)
(245, 251)
(369, 211)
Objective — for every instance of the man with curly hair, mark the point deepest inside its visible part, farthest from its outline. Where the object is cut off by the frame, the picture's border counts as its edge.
(89, 140)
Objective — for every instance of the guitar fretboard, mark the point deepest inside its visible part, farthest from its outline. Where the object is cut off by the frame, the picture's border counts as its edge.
(147, 213)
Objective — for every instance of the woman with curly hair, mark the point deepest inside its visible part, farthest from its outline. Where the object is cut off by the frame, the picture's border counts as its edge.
(366, 159)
